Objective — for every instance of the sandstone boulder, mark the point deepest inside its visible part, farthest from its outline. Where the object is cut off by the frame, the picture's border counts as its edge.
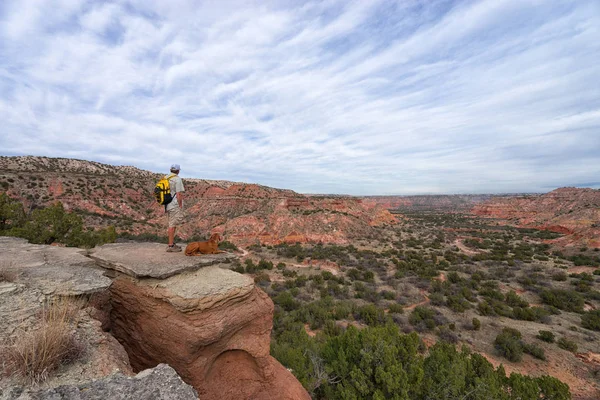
(212, 325)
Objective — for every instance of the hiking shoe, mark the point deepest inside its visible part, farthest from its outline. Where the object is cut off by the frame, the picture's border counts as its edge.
(173, 249)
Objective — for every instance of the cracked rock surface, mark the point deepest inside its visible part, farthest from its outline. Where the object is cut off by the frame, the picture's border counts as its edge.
(150, 260)
(159, 383)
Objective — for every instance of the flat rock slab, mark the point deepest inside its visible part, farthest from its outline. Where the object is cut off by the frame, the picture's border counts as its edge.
(56, 270)
(202, 289)
(159, 383)
(150, 260)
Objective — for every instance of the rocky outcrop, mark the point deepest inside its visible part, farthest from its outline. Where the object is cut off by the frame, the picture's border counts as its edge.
(244, 213)
(211, 324)
(149, 260)
(161, 382)
(39, 275)
(571, 211)
(53, 270)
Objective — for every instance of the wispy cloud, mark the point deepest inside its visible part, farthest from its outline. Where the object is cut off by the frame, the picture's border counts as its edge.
(363, 97)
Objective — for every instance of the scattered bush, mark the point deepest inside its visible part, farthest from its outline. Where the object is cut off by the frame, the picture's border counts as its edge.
(424, 318)
(395, 309)
(534, 350)
(447, 335)
(546, 336)
(509, 345)
(239, 269)
(262, 278)
(514, 300)
(225, 245)
(476, 324)
(591, 320)
(567, 344)
(567, 300)
(370, 315)
(559, 276)
(286, 301)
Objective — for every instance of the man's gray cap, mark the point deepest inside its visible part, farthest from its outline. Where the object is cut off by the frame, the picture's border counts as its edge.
(175, 167)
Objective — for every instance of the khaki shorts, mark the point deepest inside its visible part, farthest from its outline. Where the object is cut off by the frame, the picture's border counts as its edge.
(175, 217)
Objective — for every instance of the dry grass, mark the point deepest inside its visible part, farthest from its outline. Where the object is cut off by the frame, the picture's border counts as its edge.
(34, 354)
(7, 272)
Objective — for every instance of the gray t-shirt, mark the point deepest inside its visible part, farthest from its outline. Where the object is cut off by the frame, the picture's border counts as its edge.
(176, 185)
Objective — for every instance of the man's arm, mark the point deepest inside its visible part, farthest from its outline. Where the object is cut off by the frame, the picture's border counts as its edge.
(180, 199)
(180, 189)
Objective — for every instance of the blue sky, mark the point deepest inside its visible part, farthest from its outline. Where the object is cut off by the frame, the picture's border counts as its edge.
(363, 97)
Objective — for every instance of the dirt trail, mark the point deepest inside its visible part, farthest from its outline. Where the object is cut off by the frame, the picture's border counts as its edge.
(422, 303)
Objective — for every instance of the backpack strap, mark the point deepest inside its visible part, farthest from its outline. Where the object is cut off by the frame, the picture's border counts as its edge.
(168, 178)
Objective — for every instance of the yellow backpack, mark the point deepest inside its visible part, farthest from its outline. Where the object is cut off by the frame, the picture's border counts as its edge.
(162, 191)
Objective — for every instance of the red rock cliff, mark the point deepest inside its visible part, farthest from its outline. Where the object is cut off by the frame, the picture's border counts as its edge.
(210, 324)
(245, 213)
(571, 211)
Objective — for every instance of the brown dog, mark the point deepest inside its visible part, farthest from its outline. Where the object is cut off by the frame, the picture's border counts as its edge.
(209, 247)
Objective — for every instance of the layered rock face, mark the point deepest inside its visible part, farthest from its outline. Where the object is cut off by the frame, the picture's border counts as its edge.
(570, 211)
(244, 213)
(211, 324)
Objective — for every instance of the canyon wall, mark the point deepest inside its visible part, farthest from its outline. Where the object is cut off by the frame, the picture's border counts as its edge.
(244, 213)
(573, 212)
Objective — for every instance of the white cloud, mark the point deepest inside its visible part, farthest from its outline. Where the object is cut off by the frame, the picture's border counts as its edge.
(354, 97)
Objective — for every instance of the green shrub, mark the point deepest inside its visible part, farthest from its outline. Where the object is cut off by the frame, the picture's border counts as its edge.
(12, 214)
(457, 303)
(264, 264)
(371, 315)
(262, 278)
(476, 324)
(534, 350)
(509, 345)
(567, 344)
(286, 301)
(388, 295)
(514, 300)
(396, 309)
(225, 245)
(559, 276)
(423, 316)
(239, 269)
(591, 320)
(436, 299)
(567, 300)
(546, 336)
(485, 308)
(530, 313)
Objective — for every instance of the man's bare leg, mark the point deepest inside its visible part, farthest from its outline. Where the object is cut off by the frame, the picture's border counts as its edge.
(171, 232)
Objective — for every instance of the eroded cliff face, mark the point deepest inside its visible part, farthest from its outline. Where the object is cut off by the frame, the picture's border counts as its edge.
(211, 325)
(244, 213)
(570, 211)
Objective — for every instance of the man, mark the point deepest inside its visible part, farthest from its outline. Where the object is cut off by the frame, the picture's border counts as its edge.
(175, 207)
